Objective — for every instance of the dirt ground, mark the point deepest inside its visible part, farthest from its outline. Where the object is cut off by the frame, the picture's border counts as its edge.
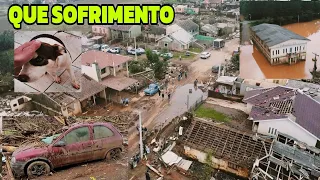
(21, 130)
(91, 171)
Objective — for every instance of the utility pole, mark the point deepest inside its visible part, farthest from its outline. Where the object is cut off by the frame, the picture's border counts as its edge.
(140, 133)
(315, 66)
(135, 48)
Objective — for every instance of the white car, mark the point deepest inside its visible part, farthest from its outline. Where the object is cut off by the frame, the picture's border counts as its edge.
(156, 52)
(205, 55)
(115, 50)
(140, 50)
(105, 48)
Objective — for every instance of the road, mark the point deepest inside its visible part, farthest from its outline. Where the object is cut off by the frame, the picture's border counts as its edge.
(165, 113)
(201, 66)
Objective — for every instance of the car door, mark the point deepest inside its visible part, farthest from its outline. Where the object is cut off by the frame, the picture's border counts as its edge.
(77, 147)
(103, 141)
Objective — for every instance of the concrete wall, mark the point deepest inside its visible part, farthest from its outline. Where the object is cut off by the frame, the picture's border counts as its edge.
(216, 163)
(21, 103)
(288, 127)
(135, 31)
(90, 71)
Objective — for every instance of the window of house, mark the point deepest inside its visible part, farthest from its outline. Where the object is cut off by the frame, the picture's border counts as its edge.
(100, 132)
(276, 81)
(166, 44)
(20, 101)
(318, 144)
(290, 49)
(283, 51)
(272, 52)
(269, 130)
(77, 135)
(103, 70)
(14, 105)
(275, 131)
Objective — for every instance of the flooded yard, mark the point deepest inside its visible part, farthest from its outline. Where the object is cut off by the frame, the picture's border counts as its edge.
(254, 65)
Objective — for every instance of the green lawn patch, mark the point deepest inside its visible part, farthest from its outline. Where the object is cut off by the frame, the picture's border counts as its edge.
(176, 55)
(205, 112)
(195, 49)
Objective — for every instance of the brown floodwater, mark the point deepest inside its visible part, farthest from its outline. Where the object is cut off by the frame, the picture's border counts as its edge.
(254, 65)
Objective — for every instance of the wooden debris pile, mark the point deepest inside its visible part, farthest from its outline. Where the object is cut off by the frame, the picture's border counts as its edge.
(22, 129)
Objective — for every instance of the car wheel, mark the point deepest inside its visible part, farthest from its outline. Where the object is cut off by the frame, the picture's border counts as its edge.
(38, 168)
(113, 154)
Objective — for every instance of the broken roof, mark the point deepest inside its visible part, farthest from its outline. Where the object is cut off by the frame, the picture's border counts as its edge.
(89, 88)
(225, 142)
(188, 25)
(308, 88)
(273, 34)
(118, 83)
(281, 102)
(103, 59)
(124, 28)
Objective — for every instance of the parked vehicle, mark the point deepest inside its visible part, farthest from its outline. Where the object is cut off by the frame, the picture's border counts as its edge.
(78, 143)
(141, 50)
(215, 69)
(96, 47)
(105, 48)
(167, 55)
(133, 52)
(115, 50)
(151, 90)
(205, 55)
(187, 53)
(156, 52)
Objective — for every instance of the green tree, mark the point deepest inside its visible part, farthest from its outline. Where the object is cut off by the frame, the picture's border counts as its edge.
(235, 62)
(159, 67)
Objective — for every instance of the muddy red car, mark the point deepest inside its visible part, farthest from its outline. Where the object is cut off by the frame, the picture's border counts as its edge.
(75, 144)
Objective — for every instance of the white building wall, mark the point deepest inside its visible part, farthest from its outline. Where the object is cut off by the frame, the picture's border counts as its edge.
(288, 127)
(284, 48)
(90, 71)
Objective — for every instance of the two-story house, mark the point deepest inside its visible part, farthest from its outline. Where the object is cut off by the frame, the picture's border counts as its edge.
(278, 44)
(110, 70)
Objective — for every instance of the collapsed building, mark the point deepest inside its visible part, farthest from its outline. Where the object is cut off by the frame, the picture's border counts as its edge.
(287, 159)
(233, 151)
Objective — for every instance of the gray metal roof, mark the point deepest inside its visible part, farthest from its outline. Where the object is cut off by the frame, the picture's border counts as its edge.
(188, 25)
(273, 34)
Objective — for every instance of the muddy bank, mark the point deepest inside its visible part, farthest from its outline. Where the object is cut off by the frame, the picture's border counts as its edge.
(254, 65)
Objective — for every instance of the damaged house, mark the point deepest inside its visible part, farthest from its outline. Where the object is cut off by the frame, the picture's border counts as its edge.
(68, 103)
(288, 159)
(284, 110)
(233, 151)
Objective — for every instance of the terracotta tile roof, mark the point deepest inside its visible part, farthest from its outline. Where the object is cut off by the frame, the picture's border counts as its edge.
(103, 59)
(89, 88)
